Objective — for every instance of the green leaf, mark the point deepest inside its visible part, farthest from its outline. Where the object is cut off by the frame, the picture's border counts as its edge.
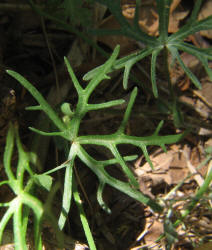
(155, 53)
(100, 198)
(39, 98)
(195, 11)
(131, 61)
(105, 105)
(8, 152)
(44, 181)
(127, 70)
(202, 54)
(123, 164)
(102, 73)
(62, 134)
(193, 50)
(193, 78)
(67, 193)
(73, 77)
(128, 111)
(190, 29)
(83, 218)
(120, 63)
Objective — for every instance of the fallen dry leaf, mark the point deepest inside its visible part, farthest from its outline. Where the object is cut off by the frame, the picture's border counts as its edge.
(153, 233)
(206, 11)
(169, 168)
(176, 15)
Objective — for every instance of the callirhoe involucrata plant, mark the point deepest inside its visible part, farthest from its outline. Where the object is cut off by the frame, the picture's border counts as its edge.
(165, 44)
(68, 125)
(23, 185)
(68, 128)
(155, 45)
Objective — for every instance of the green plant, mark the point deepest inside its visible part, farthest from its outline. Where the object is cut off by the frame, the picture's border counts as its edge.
(167, 43)
(23, 186)
(68, 127)
(164, 43)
